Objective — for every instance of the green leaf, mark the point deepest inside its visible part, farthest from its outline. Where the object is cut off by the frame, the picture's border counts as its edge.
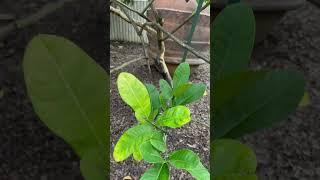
(189, 161)
(157, 172)
(159, 142)
(232, 159)
(165, 94)
(155, 100)
(260, 105)
(174, 117)
(181, 89)
(135, 94)
(192, 94)
(199, 172)
(237, 177)
(92, 167)
(181, 75)
(184, 159)
(68, 91)
(150, 154)
(131, 140)
(232, 39)
(241, 80)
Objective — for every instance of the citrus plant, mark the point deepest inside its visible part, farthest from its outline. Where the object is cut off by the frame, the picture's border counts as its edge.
(155, 112)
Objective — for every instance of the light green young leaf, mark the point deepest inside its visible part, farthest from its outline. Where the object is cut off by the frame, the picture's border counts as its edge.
(165, 93)
(159, 142)
(181, 75)
(193, 93)
(200, 172)
(129, 143)
(174, 117)
(231, 158)
(157, 172)
(135, 94)
(68, 91)
(189, 161)
(184, 159)
(155, 101)
(150, 154)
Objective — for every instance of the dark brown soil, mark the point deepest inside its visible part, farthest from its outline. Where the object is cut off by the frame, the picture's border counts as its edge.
(194, 135)
(28, 149)
(292, 150)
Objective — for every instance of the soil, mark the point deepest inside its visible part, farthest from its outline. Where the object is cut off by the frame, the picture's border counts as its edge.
(29, 150)
(194, 135)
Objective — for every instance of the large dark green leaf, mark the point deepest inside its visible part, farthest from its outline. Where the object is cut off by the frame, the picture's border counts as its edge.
(224, 89)
(68, 91)
(155, 100)
(131, 140)
(231, 159)
(92, 167)
(150, 154)
(192, 94)
(157, 172)
(232, 39)
(259, 104)
(174, 117)
(135, 94)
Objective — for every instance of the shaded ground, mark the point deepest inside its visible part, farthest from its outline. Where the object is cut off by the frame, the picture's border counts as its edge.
(194, 135)
(292, 150)
(28, 149)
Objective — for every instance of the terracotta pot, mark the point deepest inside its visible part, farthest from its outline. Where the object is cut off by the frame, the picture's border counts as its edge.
(267, 13)
(175, 12)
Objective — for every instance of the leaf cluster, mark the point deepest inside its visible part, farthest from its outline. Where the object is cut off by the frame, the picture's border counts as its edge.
(157, 110)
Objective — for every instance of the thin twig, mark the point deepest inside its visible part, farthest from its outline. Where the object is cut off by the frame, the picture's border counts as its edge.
(148, 28)
(144, 46)
(184, 45)
(133, 10)
(148, 5)
(33, 18)
(185, 21)
(120, 14)
(126, 64)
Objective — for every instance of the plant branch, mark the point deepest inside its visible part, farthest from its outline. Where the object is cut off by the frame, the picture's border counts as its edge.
(184, 45)
(126, 64)
(120, 14)
(148, 27)
(130, 9)
(148, 5)
(33, 18)
(185, 21)
(144, 46)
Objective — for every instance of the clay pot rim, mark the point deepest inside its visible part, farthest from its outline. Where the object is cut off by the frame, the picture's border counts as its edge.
(183, 11)
(270, 5)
